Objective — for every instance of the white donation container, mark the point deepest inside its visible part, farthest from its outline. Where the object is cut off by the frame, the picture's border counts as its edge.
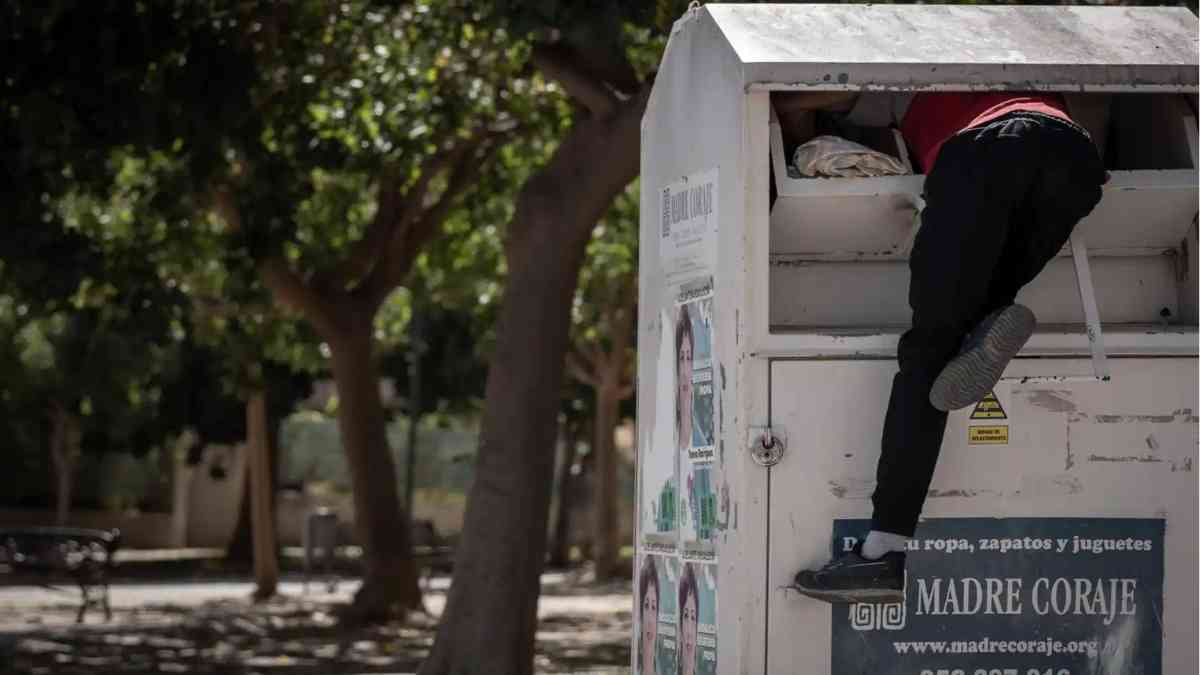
(1060, 533)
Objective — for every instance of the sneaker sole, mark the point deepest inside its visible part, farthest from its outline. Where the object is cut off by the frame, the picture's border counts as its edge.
(874, 596)
(971, 375)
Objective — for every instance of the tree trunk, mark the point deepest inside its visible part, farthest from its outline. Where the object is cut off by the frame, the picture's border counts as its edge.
(606, 547)
(611, 389)
(262, 496)
(416, 349)
(64, 455)
(560, 542)
(345, 320)
(491, 611)
(241, 544)
(389, 575)
(181, 487)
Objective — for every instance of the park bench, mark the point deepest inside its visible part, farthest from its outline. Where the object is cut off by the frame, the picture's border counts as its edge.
(40, 554)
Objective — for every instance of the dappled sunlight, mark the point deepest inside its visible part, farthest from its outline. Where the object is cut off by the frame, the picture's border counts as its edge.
(212, 627)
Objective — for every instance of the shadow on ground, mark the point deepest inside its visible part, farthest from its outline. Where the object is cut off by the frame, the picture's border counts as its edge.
(584, 628)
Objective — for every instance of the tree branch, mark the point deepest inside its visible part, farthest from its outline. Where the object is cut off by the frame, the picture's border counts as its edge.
(577, 368)
(419, 222)
(596, 356)
(286, 286)
(625, 314)
(290, 291)
(559, 64)
(365, 253)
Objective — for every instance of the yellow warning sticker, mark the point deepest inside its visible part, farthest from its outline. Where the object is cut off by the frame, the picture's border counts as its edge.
(989, 408)
(990, 435)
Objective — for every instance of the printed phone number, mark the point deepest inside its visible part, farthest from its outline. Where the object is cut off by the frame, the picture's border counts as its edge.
(996, 671)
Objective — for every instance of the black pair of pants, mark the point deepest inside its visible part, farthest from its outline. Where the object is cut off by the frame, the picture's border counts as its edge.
(1001, 201)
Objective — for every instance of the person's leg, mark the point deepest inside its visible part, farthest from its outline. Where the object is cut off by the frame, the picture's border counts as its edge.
(980, 178)
(1064, 173)
(1065, 189)
(977, 184)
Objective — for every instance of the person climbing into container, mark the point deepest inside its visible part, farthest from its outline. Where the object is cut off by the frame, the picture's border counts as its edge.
(1008, 176)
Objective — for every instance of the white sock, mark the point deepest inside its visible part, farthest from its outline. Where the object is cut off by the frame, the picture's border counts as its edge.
(879, 544)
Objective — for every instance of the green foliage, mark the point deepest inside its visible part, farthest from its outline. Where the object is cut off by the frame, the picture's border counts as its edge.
(119, 118)
(609, 275)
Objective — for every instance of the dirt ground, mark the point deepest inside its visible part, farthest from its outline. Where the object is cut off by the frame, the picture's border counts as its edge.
(210, 626)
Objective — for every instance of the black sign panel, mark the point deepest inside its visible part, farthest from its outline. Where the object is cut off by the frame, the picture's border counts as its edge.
(1013, 596)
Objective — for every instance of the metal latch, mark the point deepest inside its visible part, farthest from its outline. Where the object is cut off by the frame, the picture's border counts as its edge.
(767, 445)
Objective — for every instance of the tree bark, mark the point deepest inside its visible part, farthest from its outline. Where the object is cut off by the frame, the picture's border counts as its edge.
(389, 574)
(64, 455)
(611, 388)
(181, 487)
(560, 541)
(606, 547)
(262, 497)
(491, 611)
(416, 352)
(241, 544)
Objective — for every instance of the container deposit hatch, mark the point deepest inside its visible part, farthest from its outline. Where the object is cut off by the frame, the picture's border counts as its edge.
(1060, 532)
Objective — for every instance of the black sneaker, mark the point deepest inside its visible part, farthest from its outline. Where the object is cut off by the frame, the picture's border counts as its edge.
(853, 578)
(984, 356)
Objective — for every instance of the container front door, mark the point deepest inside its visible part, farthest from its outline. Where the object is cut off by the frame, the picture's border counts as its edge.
(1059, 536)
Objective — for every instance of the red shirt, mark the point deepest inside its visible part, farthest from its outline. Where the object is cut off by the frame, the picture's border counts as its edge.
(932, 118)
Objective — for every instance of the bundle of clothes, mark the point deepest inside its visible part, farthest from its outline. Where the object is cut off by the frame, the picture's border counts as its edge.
(836, 157)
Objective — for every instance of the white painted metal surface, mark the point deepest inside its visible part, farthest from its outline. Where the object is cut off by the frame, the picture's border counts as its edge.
(875, 294)
(809, 296)
(975, 47)
(1123, 449)
(682, 136)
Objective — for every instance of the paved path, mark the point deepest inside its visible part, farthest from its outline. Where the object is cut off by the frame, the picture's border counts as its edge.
(16, 601)
(209, 626)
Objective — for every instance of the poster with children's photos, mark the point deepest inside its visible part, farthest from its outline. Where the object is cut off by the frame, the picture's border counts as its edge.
(696, 598)
(696, 416)
(659, 466)
(695, 382)
(656, 640)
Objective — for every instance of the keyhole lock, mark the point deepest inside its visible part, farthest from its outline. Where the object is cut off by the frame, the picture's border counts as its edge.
(767, 445)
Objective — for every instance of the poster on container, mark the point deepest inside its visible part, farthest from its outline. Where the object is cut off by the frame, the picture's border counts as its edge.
(697, 604)
(685, 399)
(659, 462)
(1013, 596)
(655, 643)
(696, 412)
(687, 245)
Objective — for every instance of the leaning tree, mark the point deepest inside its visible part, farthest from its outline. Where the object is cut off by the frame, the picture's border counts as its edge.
(602, 56)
